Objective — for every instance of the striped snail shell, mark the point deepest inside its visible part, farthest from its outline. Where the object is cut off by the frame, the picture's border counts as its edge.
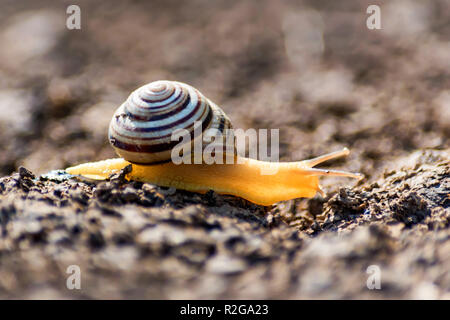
(141, 128)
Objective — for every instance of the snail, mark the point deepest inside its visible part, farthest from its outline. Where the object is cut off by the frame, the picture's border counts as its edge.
(141, 133)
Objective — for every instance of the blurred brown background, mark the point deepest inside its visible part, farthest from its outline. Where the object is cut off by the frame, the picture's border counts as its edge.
(310, 68)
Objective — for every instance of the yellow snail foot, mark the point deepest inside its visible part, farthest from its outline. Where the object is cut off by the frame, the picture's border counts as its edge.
(281, 181)
(100, 170)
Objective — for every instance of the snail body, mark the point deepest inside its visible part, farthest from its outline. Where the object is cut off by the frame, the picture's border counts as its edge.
(141, 132)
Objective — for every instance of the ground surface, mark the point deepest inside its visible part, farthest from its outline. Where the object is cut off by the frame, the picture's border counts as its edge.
(311, 69)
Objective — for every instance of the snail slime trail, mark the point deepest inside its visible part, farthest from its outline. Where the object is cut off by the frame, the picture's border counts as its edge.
(141, 132)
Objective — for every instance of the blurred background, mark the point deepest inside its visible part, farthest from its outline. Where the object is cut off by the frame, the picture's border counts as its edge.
(310, 68)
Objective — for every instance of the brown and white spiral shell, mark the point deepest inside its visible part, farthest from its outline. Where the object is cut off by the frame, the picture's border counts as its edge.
(141, 128)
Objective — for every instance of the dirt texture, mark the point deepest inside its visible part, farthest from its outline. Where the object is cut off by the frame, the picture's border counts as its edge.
(309, 68)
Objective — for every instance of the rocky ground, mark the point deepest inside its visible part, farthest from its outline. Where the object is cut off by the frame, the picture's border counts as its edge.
(134, 240)
(311, 69)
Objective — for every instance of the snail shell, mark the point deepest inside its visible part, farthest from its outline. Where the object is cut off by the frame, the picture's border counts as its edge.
(141, 128)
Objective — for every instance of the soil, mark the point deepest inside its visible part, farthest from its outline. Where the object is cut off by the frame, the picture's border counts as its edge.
(311, 69)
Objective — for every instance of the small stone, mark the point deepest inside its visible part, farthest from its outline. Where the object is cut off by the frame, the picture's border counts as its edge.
(223, 264)
(25, 173)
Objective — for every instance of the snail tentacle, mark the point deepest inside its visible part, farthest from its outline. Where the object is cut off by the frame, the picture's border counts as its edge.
(329, 156)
